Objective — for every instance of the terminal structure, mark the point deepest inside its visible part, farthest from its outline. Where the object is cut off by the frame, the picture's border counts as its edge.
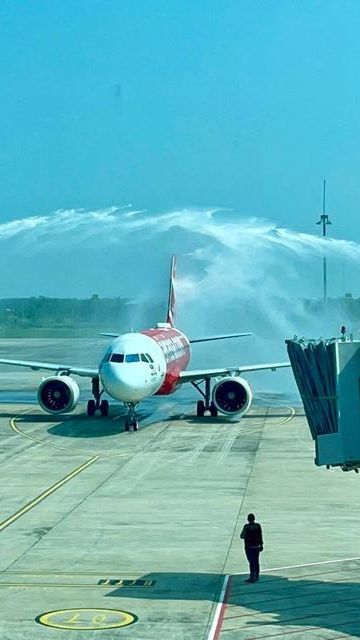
(327, 373)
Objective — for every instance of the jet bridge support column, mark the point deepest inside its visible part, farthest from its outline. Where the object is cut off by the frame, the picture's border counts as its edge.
(327, 373)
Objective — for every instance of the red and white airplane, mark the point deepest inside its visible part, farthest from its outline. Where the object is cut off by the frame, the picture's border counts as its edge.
(151, 362)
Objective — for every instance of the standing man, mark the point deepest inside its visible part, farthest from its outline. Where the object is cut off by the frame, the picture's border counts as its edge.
(253, 540)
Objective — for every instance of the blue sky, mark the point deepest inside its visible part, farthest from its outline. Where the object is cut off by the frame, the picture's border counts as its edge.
(241, 104)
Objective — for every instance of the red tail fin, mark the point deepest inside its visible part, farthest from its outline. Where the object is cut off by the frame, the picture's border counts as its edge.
(171, 302)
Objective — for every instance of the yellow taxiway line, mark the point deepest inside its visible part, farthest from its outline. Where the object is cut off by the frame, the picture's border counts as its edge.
(46, 493)
(41, 585)
(53, 445)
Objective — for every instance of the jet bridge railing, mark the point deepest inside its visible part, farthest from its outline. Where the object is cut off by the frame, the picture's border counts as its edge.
(327, 373)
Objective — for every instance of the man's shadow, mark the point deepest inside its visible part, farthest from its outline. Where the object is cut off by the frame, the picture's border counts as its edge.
(327, 599)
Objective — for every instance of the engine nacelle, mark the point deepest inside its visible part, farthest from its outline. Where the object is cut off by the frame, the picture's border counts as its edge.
(58, 394)
(232, 395)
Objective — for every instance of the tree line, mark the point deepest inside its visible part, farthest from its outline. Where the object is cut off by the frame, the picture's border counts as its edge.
(107, 313)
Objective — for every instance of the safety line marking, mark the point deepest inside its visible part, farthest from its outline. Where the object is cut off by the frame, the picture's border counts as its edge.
(219, 611)
(46, 493)
(297, 566)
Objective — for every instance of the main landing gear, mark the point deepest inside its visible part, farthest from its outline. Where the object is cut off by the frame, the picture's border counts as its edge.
(206, 404)
(131, 421)
(97, 404)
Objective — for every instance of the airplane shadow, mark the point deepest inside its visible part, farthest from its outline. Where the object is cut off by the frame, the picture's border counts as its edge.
(94, 427)
(222, 420)
(256, 416)
(307, 602)
(78, 425)
(227, 420)
(33, 417)
(191, 419)
(86, 428)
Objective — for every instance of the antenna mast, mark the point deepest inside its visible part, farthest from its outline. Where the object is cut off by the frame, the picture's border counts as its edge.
(324, 220)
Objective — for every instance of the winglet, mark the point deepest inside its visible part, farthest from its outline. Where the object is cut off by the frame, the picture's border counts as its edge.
(171, 300)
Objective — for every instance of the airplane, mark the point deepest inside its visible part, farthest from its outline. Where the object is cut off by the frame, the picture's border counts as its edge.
(138, 365)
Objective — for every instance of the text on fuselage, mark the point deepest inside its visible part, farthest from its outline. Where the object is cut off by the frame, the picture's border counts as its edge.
(173, 348)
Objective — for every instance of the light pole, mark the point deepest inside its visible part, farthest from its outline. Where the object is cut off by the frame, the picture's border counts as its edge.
(324, 220)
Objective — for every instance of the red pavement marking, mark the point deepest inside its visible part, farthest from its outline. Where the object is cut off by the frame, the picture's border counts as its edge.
(222, 610)
(283, 632)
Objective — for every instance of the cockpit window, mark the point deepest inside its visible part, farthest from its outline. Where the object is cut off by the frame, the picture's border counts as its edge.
(149, 358)
(106, 357)
(117, 357)
(132, 357)
(143, 357)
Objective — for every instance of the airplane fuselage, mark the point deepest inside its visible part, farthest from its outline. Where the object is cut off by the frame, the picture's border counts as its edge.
(138, 365)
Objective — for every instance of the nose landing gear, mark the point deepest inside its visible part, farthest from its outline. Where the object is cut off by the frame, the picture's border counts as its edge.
(131, 421)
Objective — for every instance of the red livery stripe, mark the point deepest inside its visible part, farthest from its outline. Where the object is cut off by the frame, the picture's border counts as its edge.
(176, 349)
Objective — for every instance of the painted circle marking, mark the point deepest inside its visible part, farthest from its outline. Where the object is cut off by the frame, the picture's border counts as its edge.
(83, 619)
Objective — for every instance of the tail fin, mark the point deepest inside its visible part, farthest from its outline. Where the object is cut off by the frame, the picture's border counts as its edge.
(171, 301)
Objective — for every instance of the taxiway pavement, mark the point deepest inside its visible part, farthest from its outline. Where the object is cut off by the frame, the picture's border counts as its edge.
(96, 521)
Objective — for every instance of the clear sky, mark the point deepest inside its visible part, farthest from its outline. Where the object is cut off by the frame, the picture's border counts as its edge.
(245, 104)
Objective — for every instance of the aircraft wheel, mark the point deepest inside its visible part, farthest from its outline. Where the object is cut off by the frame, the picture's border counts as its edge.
(104, 407)
(200, 409)
(136, 425)
(91, 407)
(213, 410)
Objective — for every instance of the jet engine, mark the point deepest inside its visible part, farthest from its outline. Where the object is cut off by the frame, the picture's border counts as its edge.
(58, 394)
(232, 395)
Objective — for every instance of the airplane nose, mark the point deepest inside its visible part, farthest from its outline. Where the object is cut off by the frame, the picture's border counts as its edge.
(123, 383)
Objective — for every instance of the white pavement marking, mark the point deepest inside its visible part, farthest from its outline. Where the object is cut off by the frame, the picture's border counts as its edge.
(218, 611)
(226, 448)
(298, 566)
(199, 450)
(215, 628)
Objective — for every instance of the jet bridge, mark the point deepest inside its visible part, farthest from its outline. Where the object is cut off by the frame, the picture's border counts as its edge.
(327, 373)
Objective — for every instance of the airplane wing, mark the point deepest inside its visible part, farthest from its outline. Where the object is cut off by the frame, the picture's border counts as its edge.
(109, 335)
(200, 374)
(223, 337)
(48, 366)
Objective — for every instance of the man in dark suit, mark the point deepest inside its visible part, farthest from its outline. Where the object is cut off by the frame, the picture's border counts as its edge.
(253, 541)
